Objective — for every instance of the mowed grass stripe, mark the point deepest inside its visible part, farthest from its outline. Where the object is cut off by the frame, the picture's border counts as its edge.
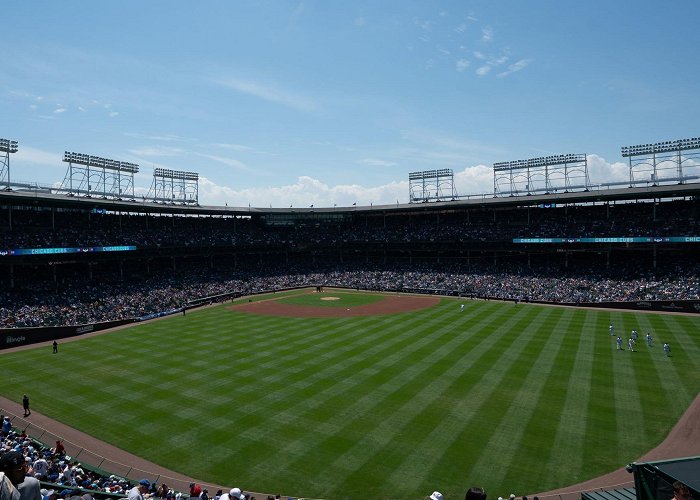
(501, 352)
(388, 445)
(443, 345)
(333, 405)
(684, 363)
(318, 382)
(648, 374)
(449, 435)
(540, 415)
(573, 421)
(528, 386)
(627, 406)
(601, 421)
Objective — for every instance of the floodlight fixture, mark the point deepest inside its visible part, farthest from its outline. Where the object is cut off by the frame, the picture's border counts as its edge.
(542, 161)
(8, 146)
(167, 173)
(412, 176)
(661, 147)
(97, 161)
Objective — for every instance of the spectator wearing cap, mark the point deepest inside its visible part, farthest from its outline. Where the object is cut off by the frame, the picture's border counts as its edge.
(14, 466)
(48, 494)
(436, 496)
(138, 491)
(234, 494)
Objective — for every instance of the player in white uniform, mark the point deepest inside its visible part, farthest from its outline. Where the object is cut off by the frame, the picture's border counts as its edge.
(618, 341)
(612, 329)
(631, 344)
(650, 340)
(667, 349)
(461, 308)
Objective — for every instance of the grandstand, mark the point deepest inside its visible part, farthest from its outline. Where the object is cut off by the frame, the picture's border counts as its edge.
(71, 265)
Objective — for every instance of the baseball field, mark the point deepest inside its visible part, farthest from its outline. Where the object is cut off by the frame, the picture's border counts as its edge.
(345, 395)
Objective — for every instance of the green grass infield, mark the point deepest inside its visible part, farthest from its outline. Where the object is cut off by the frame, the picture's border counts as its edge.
(333, 299)
(515, 398)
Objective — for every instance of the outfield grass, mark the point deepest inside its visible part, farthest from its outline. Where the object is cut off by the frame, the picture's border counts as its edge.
(516, 398)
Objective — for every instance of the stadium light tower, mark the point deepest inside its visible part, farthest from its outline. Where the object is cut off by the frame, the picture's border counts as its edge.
(545, 174)
(7, 146)
(661, 157)
(94, 175)
(422, 185)
(174, 186)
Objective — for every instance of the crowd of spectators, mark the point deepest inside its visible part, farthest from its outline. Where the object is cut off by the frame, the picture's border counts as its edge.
(43, 228)
(73, 300)
(76, 302)
(54, 466)
(69, 479)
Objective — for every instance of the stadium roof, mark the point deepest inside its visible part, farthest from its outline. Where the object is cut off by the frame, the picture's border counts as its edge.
(39, 198)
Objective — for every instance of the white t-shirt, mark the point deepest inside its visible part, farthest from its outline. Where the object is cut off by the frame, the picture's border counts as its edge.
(41, 467)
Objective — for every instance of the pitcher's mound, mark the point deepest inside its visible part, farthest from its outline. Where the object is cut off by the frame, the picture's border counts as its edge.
(390, 304)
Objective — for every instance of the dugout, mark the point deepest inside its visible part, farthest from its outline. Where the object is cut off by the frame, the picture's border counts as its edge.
(654, 480)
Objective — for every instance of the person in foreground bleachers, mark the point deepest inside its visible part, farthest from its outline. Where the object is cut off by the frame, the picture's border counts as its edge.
(14, 465)
(234, 494)
(7, 489)
(475, 493)
(140, 491)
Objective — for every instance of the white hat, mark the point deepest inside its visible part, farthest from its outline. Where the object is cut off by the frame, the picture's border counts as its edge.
(512, 496)
(436, 496)
(236, 493)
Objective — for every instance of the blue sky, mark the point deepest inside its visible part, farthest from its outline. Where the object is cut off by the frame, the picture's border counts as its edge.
(335, 102)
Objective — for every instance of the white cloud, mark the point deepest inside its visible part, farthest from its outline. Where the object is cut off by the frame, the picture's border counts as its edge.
(304, 192)
(60, 110)
(487, 34)
(474, 180)
(233, 147)
(271, 92)
(483, 70)
(374, 162)
(165, 138)
(462, 28)
(156, 151)
(600, 171)
(238, 165)
(26, 154)
(515, 67)
(462, 64)
(424, 25)
(112, 114)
